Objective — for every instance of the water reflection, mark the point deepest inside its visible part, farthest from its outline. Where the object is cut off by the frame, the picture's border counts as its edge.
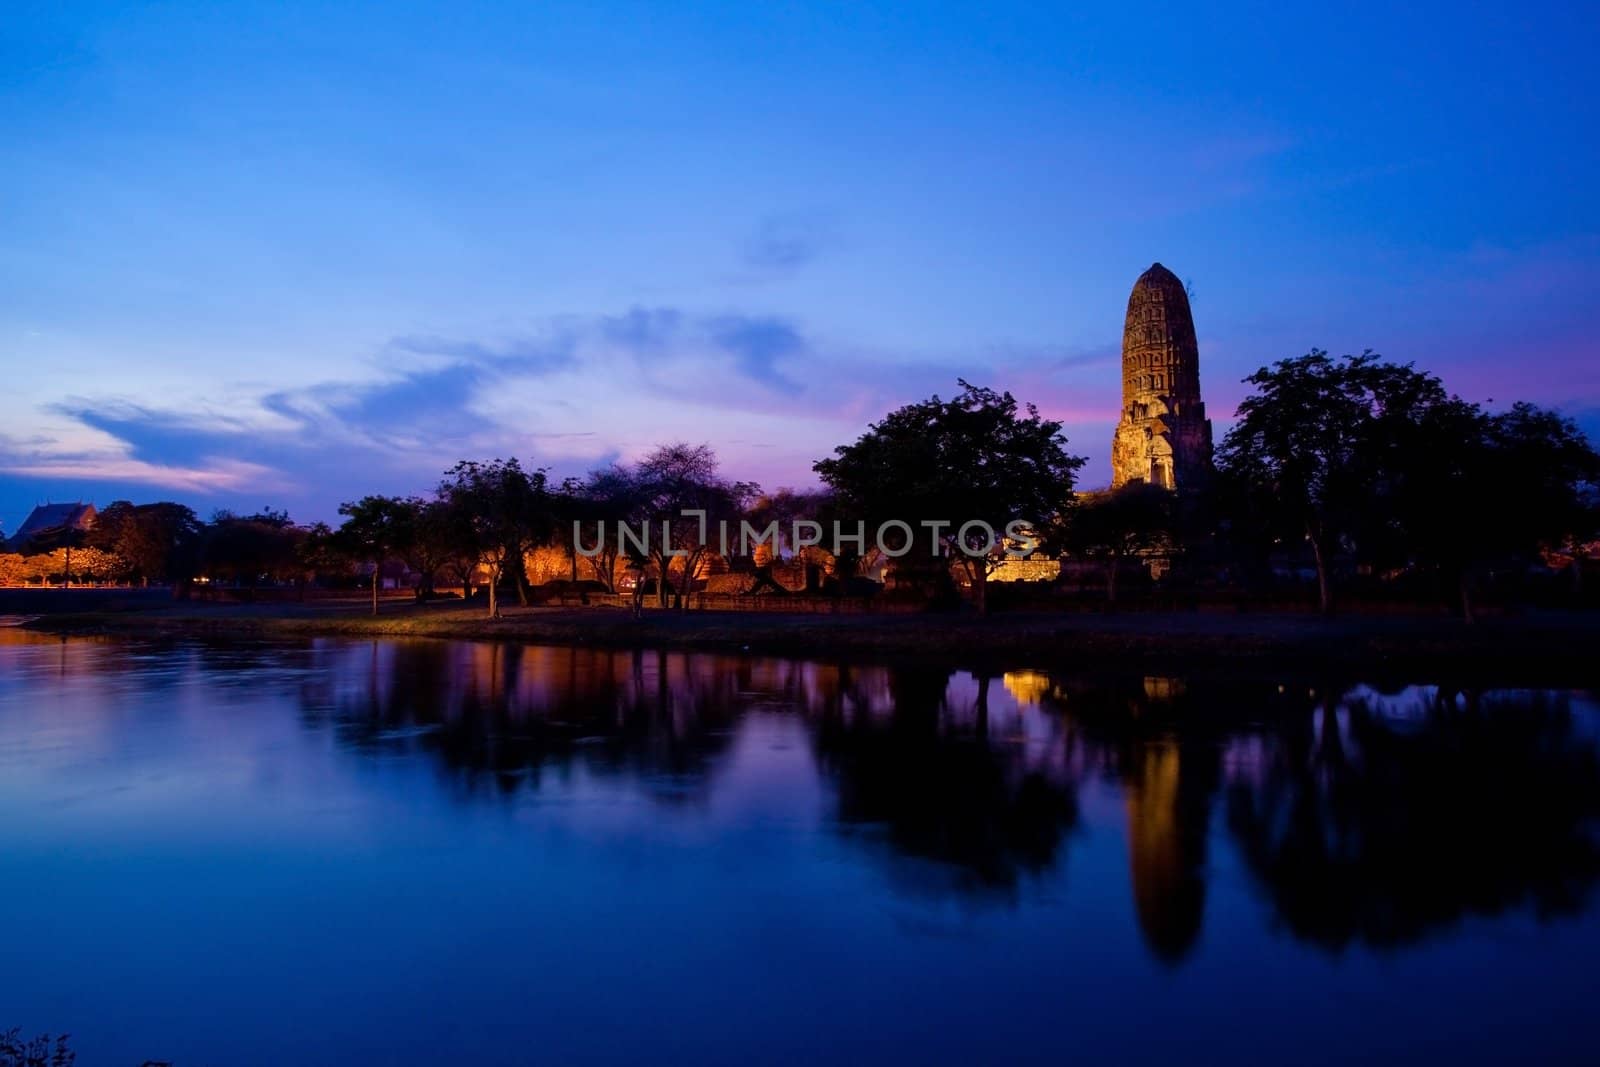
(907, 752)
(927, 773)
(1382, 820)
(504, 716)
(1359, 817)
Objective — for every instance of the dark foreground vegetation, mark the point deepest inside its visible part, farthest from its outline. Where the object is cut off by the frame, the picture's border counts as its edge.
(45, 1050)
(1342, 478)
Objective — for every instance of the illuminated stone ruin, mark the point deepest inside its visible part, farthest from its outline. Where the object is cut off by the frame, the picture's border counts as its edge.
(1164, 436)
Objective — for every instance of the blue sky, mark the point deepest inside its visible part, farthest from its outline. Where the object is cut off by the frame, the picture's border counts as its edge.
(280, 254)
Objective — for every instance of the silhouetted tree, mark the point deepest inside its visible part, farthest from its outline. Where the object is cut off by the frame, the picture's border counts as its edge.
(424, 537)
(495, 510)
(679, 478)
(159, 542)
(785, 507)
(248, 548)
(41, 1051)
(1483, 488)
(321, 554)
(974, 458)
(1308, 451)
(594, 507)
(1122, 523)
(374, 530)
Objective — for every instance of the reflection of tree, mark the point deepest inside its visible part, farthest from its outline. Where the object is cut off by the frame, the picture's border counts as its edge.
(1367, 829)
(1363, 822)
(509, 713)
(940, 790)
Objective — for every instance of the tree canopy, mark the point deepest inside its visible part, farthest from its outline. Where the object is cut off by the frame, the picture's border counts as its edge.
(495, 511)
(159, 542)
(938, 465)
(1312, 442)
(1376, 461)
(1121, 523)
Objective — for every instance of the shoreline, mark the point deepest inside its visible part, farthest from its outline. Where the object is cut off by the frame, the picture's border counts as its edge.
(1541, 649)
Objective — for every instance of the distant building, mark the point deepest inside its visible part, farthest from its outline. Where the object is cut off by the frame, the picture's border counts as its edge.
(1164, 436)
(51, 517)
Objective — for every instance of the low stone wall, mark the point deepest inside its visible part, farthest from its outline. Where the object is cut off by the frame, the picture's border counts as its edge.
(791, 604)
(287, 594)
(730, 584)
(1027, 570)
(790, 574)
(805, 605)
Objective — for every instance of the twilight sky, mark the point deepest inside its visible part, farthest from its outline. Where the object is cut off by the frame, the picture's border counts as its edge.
(283, 254)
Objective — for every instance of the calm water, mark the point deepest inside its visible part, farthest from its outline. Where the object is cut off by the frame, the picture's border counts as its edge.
(344, 852)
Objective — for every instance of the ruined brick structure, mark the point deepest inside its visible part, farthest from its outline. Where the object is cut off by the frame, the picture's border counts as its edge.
(1164, 436)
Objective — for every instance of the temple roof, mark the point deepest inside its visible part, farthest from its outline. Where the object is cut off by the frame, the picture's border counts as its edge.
(48, 517)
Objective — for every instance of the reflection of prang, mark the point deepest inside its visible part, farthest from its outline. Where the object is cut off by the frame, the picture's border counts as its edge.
(1164, 436)
(1167, 817)
(1361, 815)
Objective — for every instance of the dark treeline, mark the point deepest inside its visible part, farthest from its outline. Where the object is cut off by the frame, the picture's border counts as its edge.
(1375, 463)
(1354, 472)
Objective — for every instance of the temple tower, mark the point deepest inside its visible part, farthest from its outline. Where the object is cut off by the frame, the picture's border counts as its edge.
(1164, 436)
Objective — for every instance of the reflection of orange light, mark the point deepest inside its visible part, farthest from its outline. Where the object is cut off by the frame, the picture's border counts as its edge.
(1158, 688)
(1026, 687)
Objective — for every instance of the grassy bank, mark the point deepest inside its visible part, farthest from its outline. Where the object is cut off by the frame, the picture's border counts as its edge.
(1535, 649)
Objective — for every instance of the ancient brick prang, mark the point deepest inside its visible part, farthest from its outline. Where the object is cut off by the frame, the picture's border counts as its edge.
(1164, 436)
